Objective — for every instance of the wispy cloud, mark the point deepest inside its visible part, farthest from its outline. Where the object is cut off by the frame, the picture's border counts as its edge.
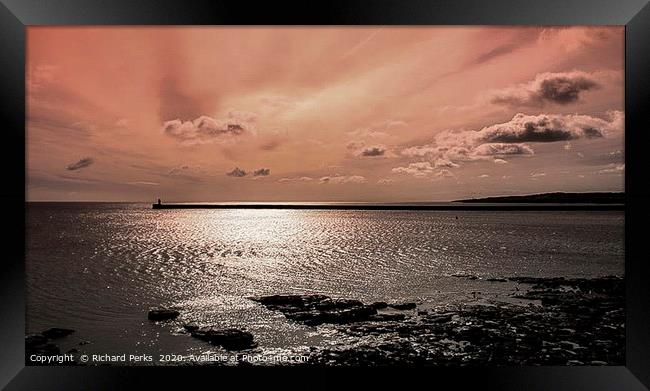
(82, 163)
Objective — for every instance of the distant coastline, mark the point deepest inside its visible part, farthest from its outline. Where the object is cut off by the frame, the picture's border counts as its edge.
(534, 202)
(556, 198)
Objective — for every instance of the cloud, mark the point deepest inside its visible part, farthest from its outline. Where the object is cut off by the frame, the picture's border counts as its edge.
(511, 138)
(445, 163)
(556, 88)
(206, 129)
(360, 149)
(82, 163)
(242, 116)
(419, 151)
(502, 149)
(354, 145)
(385, 181)
(143, 183)
(262, 172)
(536, 175)
(484, 176)
(613, 168)
(423, 170)
(338, 179)
(445, 174)
(188, 173)
(419, 169)
(296, 179)
(548, 128)
(374, 151)
(185, 170)
(237, 173)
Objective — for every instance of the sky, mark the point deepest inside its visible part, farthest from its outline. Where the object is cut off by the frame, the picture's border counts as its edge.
(375, 114)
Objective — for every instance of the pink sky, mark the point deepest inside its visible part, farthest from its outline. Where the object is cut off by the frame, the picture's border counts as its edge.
(322, 114)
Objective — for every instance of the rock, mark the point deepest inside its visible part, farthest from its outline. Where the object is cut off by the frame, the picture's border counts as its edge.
(38, 344)
(496, 279)
(578, 324)
(379, 305)
(468, 276)
(56, 332)
(162, 314)
(569, 345)
(349, 315)
(230, 339)
(309, 318)
(289, 300)
(442, 318)
(191, 327)
(403, 306)
(314, 310)
(387, 317)
(338, 304)
(47, 349)
(32, 340)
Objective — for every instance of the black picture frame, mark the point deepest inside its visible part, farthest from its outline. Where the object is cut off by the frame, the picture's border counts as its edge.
(16, 15)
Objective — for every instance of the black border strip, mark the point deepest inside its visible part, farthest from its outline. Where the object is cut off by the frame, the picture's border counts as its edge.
(19, 13)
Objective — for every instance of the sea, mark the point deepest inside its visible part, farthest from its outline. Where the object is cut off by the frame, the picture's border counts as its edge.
(98, 268)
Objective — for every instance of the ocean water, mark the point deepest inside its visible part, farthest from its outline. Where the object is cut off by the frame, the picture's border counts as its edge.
(98, 268)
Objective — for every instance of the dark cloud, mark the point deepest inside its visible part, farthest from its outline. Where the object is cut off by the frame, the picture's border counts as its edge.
(548, 128)
(564, 90)
(373, 151)
(557, 88)
(237, 173)
(83, 163)
(262, 172)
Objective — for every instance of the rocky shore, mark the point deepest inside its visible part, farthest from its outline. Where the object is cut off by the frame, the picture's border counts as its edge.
(566, 322)
(543, 321)
(43, 344)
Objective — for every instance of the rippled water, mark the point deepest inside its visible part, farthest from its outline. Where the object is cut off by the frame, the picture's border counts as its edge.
(98, 268)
